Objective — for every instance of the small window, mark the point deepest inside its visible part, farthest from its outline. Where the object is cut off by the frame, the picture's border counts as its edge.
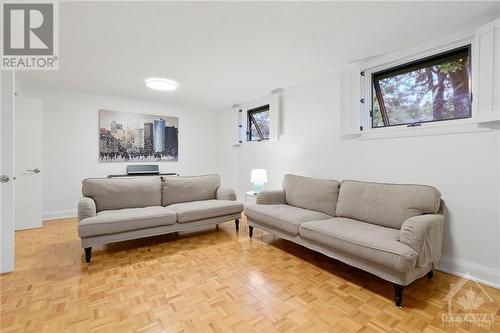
(431, 89)
(258, 123)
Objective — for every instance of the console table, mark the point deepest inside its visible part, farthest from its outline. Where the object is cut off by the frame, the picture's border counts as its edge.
(144, 174)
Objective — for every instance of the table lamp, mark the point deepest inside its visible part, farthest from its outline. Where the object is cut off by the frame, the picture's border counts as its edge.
(258, 178)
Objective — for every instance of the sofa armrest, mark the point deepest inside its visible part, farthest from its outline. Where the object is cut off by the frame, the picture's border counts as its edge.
(271, 197)
(424, 234)
(86, 208)
(226, 193)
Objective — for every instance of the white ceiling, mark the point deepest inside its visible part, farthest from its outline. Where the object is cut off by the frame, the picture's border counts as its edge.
(223, 53)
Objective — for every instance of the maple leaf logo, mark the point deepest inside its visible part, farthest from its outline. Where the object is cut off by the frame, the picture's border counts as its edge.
(470, 301)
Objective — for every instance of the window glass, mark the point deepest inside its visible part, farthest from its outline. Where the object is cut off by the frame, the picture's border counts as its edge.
(432, 89)
(258, 123)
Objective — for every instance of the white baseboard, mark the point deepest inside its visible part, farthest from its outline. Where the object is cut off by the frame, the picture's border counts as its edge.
(59, 214)
(479, 273)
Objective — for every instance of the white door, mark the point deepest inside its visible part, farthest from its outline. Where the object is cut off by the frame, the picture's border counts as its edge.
(28, 152)
(7, 171)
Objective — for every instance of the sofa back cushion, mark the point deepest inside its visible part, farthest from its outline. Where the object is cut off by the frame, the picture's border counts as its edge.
(185, 189)
(388, 205)
(311, 193)
(119, 193)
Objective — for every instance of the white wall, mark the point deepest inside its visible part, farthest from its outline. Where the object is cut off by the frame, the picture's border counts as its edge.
(71, 143)
(464, 167)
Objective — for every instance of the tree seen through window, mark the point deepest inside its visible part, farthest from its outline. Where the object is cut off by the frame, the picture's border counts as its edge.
(433, 89)
(258, 124)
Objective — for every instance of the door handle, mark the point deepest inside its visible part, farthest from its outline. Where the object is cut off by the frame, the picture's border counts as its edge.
(36, 170)
(4, 179)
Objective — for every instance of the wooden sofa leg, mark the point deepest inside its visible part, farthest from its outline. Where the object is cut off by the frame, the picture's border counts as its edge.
(237, 223)
(88, 253)
(398, 295)
(250, 231)
(430, 275)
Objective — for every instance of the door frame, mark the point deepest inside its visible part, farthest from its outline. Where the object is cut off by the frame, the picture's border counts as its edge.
(7, 167)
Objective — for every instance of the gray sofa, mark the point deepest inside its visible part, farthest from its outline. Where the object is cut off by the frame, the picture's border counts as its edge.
(119, 209)
(390, 230)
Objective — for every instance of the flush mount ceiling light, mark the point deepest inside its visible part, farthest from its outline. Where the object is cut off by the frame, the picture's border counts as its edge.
(157, 83)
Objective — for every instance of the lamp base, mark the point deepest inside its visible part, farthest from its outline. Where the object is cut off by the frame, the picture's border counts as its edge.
(257, 188)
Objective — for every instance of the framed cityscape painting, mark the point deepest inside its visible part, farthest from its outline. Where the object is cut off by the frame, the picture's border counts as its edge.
(137, 137)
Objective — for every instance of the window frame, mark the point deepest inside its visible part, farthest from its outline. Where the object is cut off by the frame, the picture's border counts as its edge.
(416, 64)
(274, 100)
(396, 58)
(249, 113)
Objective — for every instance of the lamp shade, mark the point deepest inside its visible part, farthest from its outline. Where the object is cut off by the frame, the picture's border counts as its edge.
(259, 176)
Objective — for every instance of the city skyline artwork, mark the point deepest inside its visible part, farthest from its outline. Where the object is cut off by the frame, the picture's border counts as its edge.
(137, 137)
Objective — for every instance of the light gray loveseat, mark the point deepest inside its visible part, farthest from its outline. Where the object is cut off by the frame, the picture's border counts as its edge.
(390, 230)
(119, 209)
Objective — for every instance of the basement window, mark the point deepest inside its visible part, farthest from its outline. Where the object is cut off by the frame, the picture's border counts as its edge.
(258, 123)
(435, 88)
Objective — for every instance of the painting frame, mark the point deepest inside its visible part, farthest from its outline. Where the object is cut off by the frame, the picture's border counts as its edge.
(137, 137)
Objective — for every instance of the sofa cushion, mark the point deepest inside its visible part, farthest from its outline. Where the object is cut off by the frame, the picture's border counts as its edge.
(387, 205)
(198, 210)
(311, 193)
(282, 217)
(368, 241)
(115, 221)
(185, 189)
(119, 193)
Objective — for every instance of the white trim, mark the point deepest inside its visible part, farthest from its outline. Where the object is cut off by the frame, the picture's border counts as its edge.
(476, 272)
(274, 101)
(8, 167)
(403, 131)
(251, 144)
(59, 214)
(350, 92)
(238, 132)
(487, 99)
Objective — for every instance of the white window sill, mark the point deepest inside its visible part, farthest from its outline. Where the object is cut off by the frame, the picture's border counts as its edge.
(255, 143)
(423, 130)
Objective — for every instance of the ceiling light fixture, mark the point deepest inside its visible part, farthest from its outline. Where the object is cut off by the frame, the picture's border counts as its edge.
(157, 83)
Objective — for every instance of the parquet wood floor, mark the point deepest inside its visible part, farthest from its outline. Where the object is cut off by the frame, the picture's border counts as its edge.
(208, 281)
